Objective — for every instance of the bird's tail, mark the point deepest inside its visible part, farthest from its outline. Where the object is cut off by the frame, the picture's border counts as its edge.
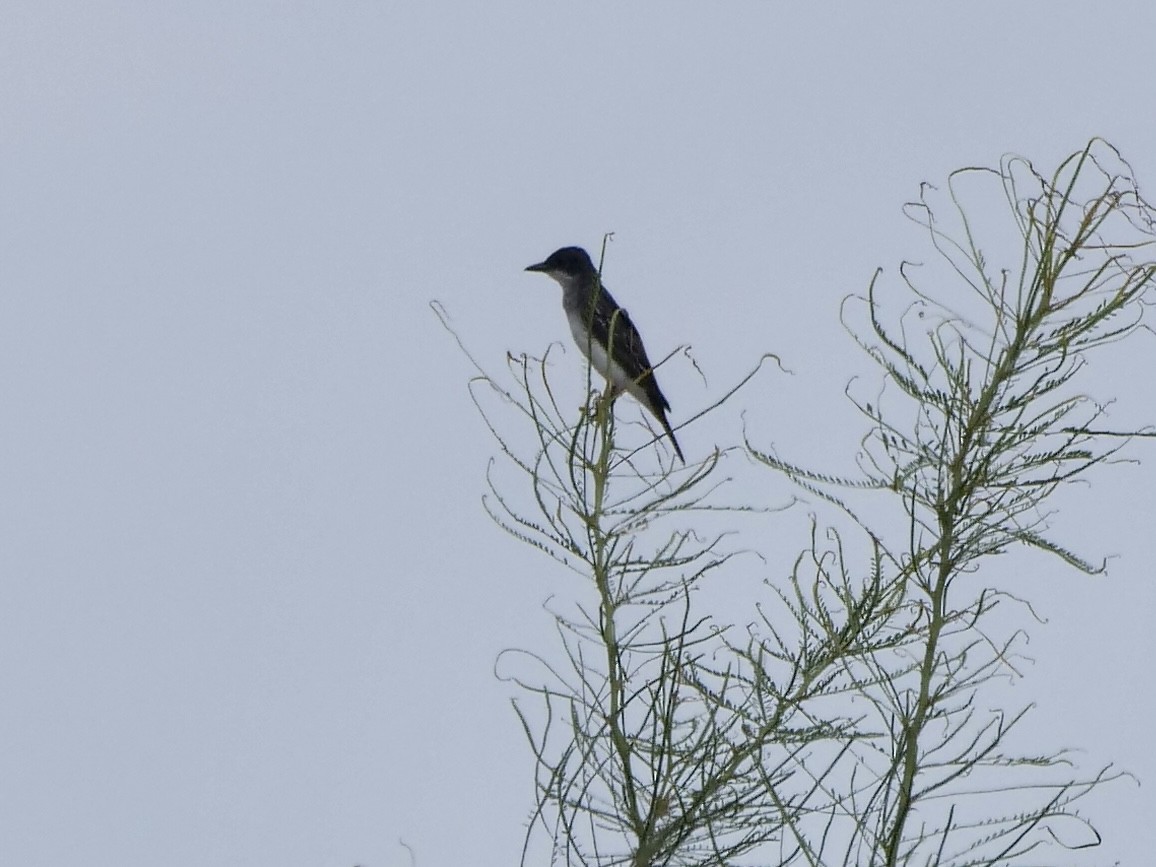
(670, 433)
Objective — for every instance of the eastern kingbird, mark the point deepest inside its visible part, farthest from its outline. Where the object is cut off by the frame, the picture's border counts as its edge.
(604, 332)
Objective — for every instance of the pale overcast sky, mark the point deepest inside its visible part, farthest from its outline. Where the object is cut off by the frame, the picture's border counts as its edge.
(249, 600)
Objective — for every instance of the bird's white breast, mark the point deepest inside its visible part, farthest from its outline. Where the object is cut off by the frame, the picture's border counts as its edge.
(593, 350)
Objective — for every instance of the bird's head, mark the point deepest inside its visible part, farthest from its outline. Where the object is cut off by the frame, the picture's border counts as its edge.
(566, 264)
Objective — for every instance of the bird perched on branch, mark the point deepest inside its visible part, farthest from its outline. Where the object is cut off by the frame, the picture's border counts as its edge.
(605, 334)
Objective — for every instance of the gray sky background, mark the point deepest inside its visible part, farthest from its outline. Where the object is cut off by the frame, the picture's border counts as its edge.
(249, 600)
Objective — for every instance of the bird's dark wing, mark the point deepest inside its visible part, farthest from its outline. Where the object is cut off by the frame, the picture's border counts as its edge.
(610, 323)
(611, 327)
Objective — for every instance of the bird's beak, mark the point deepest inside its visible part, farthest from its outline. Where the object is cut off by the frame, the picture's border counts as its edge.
(541, 266)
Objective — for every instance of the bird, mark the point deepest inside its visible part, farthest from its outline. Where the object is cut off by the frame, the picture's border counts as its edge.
(605, 334)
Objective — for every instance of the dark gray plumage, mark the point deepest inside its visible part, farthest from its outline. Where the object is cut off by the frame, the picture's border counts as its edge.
(597, 322)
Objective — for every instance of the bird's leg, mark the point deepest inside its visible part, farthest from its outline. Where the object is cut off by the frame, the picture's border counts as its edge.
(609, 396)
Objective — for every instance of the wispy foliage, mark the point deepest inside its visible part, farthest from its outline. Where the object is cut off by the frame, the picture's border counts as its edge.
(979, 423)
(843, 722)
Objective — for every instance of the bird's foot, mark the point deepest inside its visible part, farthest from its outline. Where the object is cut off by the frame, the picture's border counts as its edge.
(600, 400)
